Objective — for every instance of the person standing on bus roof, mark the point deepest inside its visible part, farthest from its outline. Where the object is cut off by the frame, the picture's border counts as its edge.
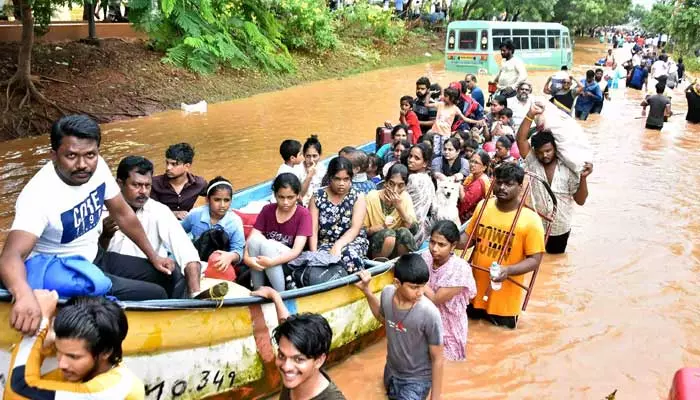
(512, 72)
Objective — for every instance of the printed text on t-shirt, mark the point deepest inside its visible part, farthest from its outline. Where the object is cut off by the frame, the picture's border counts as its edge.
(84, 216)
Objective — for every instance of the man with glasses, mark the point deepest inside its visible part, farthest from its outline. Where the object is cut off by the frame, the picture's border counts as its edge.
(521, 103)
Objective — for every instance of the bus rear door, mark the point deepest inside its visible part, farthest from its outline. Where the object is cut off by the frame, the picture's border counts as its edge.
(467, 50)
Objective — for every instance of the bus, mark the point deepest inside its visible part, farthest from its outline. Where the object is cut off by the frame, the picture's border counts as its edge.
(473, 46)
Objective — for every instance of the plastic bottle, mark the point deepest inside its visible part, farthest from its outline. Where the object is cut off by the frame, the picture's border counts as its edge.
(495, 271)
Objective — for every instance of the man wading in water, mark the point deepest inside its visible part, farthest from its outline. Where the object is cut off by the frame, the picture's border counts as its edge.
(565, 183)
(524, 252)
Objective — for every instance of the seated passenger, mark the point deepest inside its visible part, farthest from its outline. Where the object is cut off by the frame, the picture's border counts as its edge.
(421, 189)
(374, 170)
(502, 154)
(450, 164)
(162, 228)
(314, 170)
(89, 332)
(279, 234)
(390, 220)
(337, 214)
(360, 163)
(398, 133)
(217, 215)
(475, 186)
(400, 150)
(57, 214)
(178, 188)
(292, 157)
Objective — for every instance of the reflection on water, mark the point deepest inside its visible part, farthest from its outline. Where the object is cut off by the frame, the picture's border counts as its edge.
(618, 311)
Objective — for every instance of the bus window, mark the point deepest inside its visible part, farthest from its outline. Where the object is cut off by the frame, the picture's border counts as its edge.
(566, 42)
(467, 40)
(538, 42)
(553, 42)
(553, 32)
(521, 43)
(497, 42)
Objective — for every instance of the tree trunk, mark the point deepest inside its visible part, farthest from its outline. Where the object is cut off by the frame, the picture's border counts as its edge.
(24, 61)
(92, 35)
(22, 79)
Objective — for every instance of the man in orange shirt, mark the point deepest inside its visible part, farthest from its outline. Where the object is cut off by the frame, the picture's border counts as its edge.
(523, 255)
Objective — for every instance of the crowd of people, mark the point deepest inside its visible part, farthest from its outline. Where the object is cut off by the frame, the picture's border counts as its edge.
(145, 237)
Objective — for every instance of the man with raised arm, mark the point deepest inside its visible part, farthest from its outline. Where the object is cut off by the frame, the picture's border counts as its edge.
(569, 187)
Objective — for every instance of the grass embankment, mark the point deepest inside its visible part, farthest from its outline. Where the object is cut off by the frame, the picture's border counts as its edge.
(123, 79)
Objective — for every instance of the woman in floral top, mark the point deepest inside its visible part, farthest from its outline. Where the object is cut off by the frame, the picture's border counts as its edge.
(337, 213)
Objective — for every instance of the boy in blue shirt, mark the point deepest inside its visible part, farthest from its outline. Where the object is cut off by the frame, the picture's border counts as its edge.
(414, 363)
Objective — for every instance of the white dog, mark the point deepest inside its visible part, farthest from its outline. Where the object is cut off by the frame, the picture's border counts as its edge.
(446, 198)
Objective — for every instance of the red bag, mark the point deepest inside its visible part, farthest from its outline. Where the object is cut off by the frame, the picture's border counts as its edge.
(229, 274)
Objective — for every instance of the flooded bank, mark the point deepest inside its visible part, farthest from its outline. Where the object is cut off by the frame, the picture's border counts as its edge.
(619, 311)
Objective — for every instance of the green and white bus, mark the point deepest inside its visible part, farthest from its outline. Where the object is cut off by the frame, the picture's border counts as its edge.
(473, 46)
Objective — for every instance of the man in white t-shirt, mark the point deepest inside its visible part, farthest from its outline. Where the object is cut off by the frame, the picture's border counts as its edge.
(512, 72)
(58, 210)
(164, 232)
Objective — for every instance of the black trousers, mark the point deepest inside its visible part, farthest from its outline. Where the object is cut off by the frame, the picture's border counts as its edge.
(135, 278)
(557, 244)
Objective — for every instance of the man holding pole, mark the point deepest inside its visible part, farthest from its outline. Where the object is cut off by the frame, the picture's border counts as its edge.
(522, 252)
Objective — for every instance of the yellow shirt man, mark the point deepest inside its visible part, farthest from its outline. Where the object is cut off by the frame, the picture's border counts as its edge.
(490, 237)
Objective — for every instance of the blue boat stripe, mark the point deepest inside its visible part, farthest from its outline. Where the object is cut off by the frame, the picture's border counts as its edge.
(291, 305)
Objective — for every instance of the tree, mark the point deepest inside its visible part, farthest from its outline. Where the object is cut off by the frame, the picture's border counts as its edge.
(22, 81)
(636, 13)
(658, 20)
(684, 24)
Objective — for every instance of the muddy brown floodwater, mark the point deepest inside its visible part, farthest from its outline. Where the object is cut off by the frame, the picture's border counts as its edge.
(621, 310)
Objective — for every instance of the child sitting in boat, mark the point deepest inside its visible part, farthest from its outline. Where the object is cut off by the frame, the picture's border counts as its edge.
(390, 219)
(450, 287)
(400, 152)
(337, 213)
(279, 234)
(303, 345)
(360, 163)
(214, 219)
(414, 331)
(408, 118)
(313, 171)
(292, 157)
(374, 169)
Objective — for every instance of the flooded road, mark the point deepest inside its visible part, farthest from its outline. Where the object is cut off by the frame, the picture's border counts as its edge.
(620, 310)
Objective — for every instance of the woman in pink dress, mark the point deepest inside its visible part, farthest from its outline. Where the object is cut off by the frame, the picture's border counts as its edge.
(450, 287)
